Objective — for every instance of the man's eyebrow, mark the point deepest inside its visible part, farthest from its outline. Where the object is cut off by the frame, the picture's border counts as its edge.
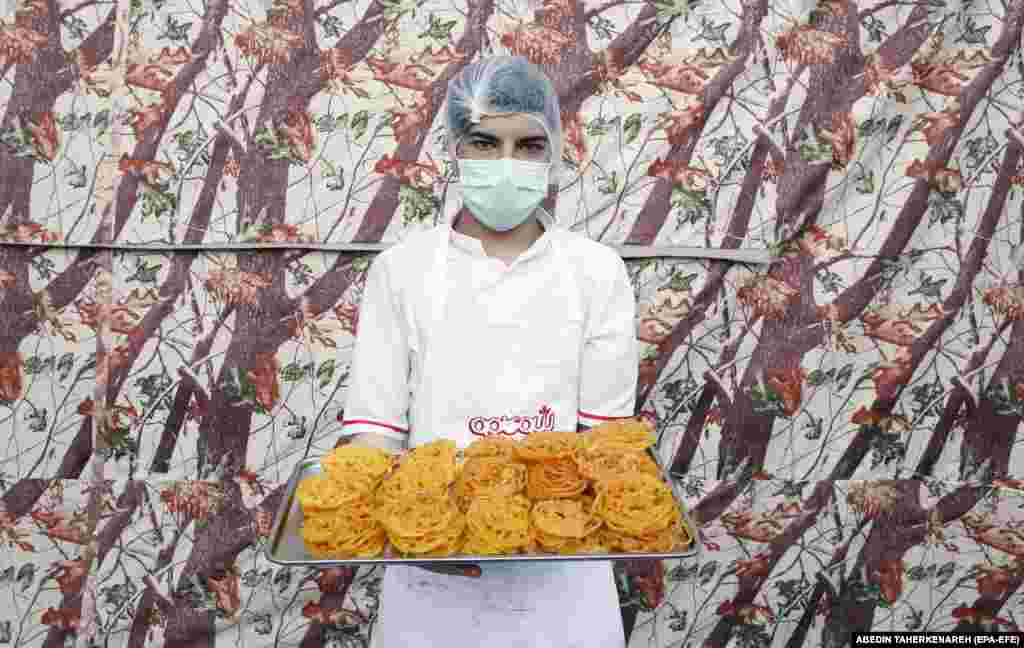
(491, 136)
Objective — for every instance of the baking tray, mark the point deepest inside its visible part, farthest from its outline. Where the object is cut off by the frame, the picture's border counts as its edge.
(287, 548)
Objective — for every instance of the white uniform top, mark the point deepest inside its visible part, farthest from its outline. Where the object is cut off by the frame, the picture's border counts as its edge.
(455, 344)
(540, 344)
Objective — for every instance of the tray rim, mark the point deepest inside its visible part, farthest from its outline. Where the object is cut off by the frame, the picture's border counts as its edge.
(277, 528)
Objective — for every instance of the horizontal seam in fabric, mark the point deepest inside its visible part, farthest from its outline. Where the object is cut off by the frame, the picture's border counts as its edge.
(624, 251)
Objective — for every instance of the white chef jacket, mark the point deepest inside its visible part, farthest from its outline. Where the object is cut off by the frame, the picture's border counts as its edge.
(552, 337)
(544, 343)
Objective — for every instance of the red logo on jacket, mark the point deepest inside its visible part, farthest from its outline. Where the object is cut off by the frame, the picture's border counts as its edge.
(506, 425)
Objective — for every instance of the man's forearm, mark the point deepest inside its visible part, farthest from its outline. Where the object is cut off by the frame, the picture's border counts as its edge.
(378, 441)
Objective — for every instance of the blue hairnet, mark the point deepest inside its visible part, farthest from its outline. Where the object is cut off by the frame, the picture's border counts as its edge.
(500, 85)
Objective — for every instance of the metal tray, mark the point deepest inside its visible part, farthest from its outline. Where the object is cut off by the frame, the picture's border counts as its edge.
(287, 548)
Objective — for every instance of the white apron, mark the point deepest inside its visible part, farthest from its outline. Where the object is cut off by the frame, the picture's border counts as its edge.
(497, 377)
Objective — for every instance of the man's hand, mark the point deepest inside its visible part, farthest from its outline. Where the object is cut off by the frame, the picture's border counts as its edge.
(469, 570)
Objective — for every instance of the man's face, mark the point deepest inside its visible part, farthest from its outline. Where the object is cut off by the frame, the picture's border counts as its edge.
(506, 136)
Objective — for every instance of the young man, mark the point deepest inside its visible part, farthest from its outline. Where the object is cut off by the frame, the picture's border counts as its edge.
(504, 324)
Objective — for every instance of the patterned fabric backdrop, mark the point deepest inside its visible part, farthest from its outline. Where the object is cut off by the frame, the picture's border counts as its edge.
(179, 180)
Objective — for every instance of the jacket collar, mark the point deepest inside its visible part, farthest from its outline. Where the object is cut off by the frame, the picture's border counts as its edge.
(475, 247)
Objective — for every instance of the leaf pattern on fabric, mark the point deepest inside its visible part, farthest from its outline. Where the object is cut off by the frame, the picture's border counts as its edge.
(842, 421)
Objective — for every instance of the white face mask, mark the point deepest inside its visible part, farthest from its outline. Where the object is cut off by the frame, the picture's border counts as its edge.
(503, 193)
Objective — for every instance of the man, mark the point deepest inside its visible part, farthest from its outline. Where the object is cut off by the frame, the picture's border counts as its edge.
(504, 324)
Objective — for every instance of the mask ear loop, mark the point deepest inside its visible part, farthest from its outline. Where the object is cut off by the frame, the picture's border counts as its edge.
(551, 159)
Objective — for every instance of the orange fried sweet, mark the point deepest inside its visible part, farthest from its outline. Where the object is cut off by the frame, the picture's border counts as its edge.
(548, 446)
(554, 479)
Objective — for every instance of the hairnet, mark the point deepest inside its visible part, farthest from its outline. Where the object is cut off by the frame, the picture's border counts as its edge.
(501, 85)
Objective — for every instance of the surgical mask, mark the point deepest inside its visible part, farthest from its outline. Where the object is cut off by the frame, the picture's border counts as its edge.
(503, 193)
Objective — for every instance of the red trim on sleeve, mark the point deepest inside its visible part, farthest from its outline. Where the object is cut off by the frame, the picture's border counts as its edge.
(365, 422)
(602, 418)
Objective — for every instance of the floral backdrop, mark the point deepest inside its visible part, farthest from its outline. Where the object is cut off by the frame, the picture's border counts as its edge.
(191, 194)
